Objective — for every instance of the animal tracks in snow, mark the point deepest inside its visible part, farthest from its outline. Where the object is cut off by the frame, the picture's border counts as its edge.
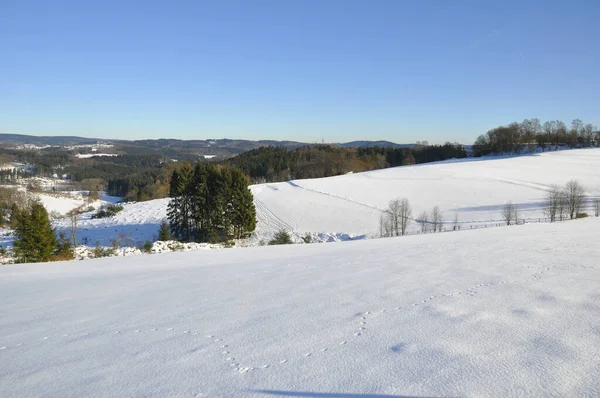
(227, 352)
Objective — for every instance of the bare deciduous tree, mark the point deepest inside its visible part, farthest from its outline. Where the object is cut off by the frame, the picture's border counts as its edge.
(563, 205)
(508, 213)
(396, 218)
(436, 219)
(553, 198)
(456, 222)
(575, 197)
(597, 207)
(74, 220)
(384, 225)
(424, 221)
(405, 215)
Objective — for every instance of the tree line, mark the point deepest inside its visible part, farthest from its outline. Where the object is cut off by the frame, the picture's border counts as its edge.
(273, 164)
(531, 133)
(210, 203)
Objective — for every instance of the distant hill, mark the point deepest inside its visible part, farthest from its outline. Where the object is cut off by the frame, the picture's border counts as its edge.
(383, 144)
(21, 139)
(221, 148)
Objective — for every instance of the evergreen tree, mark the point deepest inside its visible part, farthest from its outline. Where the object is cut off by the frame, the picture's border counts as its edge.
(64, 248)
(164, 234)
(243, 217)
(35, 238)
(179, 211)
(210, 204)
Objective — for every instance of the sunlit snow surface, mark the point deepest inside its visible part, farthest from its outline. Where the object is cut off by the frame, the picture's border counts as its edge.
(511, 311)
(349, 206)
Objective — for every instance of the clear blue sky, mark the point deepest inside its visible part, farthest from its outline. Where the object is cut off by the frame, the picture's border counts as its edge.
(295, 69)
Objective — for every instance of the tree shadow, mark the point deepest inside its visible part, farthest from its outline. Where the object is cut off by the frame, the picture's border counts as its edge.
(282, 393)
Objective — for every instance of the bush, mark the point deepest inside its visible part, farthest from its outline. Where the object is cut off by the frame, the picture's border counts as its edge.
(93, 195)
(100, 251)
(108, 211)
(281, 238)
(581, 215)
(147, 247)
(175, 246)
(307, 238)
(64, 249)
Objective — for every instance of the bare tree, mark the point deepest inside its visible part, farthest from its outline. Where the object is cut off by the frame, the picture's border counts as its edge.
(74, 220)
(563, 205)
(382, 226)
(588, 134)
(424, 221)
(394, 221)
(575, 196)
(508, 213)
(456, 223)
(405, 215)
(553, 198)
(393, 212)
(385, 225)
(436, 219)
(597, 207)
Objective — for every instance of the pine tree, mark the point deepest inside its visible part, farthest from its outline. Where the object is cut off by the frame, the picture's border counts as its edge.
(64, 248)
(35, 238)
(210, 203)
(180, 206)
(164, 234)
(244, 212)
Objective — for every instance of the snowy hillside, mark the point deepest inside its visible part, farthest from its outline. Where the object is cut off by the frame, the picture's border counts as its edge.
(474, 189)
(348, 207)
(508, 311)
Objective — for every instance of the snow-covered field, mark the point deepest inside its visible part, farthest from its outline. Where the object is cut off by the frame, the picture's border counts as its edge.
(91, 155)
(475, 189)
(511, 311)
(349, 207)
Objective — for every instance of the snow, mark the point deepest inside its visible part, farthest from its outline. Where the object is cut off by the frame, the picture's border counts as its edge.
(91, 155)
(348, 207)
(475, 189)
(510, 311)
(61, 203)
(137, 223)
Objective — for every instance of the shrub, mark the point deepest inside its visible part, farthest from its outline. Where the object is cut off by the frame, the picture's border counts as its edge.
(175, 246)
(64, 249)
(108, 211)
(307, 238)
(281, 238)
(581, 215)
(100, 251)
(147, 247)
(93, 195)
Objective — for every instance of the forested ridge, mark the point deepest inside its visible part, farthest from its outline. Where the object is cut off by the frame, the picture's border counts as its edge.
(272, 164)
(142, 176)
(531, 134)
